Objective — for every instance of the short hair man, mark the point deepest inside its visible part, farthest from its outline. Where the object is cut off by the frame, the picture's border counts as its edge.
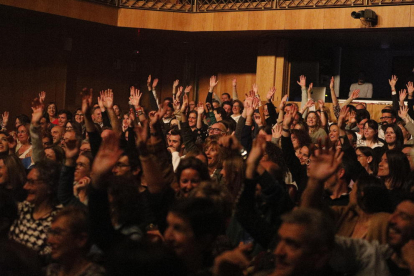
(228, 107)
(97, 116)
(225, 97)
(64, 116)
(57, 134)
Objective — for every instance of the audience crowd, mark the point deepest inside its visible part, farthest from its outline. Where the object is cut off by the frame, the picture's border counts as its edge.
(220, 187)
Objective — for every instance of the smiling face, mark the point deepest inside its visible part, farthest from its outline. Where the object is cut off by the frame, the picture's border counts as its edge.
(303, 155)
(311, 120)
(383, 169)
(62, 119)
(390, 136)
(37, 190)
(236, 108)
(369, 133)
(83, 167)
(51, 110)
(189, 179)
(334, 133)
(4, 144)
(401, 225)
(228, 108)
(192, 120)
(22, 134)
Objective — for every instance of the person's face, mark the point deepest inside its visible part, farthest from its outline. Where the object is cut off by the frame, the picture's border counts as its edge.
(361, 125)
(57, 133)
(218, 116)
(303, 155)
(68, 136)
(212, 155)
(191, 105)
(62, 119)
(180, 237)
(62, 241)
(4, 176)
(237, 108)
(192, 120)
(37, 190)
(334, 133)
(50, 154)
(311, 120)
(408, 152)
(216, 104)
(265, 111)
(387, 118)
(69, 126)
(4, 144)
(364, 160)
(383, 169)
(175, 142)
(189, 179)
(227, 108)
(401, 225)
(225, 98)
(390, 136)
(83, 167)
(169, 112)
(369, 132)
(22, 134)
(79, 116)
(295, 141)
(51, 110)
(293, 254)
(97, 116)
(217, 129)
(122, 167)
(117, 110)
(46, 142)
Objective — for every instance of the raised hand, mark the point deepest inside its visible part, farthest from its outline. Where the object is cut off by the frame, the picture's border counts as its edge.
(257, 151)
(200, 109)
(213, 82)
(107, 156)
(179, 92)
(234, 82)
(355, 94)
(135, 97)
(249, 98)
(149, 83)
(255, 89)
(188, 89)
(403, 112)
(302, 81)
(176, 105)
(86, 100)
(277, 131)
(310, 103)
(324, 162)
(175, 83)
(142, 132)
(342, 115)
(310, 87)
(283, 102)
(101, 100)
(37, 111)
(332, 83)
(5, 118)
(71, 148)
(403, 94)
(271, 94)
(108, 100)
(321, 104)
(410, 87)
(258, 119)
(393, 81)
(249, 108)
(154, 83)
(42, 96)
(289, 116)
(185, 103)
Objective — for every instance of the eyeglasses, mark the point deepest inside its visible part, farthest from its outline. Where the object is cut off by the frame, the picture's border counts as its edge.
(215, 130)
(121, 165)
(386, 117)
(78, 114)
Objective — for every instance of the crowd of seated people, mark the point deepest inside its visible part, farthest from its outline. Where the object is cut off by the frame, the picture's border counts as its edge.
(220, 187)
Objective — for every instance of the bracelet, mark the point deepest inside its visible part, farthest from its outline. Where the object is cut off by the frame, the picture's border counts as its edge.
(286, 130)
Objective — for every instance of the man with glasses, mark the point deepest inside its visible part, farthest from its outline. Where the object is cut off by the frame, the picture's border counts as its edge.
(389, 116)
(217, 129)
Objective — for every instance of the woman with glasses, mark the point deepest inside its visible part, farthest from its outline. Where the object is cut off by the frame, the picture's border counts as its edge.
(39, 208)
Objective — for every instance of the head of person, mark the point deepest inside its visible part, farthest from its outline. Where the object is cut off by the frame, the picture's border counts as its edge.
(198, 153)
(394, 137)
(388, 116)
(128, 164)
(361, 77)
(4, 143)
(69, 235)
(64, 116)
(23, 134)
(74, 126)
(57, 134)
(22, 119)
(192, 118)
(409, 152)
(334, 133)
(117, 110)
(306, 240)
(97, 115)
(401, 225)
(233, 172)
(238, 107)
(85, 146)
(340, 177)
(79, 116)
(220, 114)
(273, 162)
(225, 97)
(42, 182)
(44, 124)
(213, 151)
(303, 155)
(215, 104)
(83, 166)
(301, 125)
(193, 225)
(371, 131)
(367, 159)
(370, 194)
(55, 153)
(361, 106)
(352, 137)
(175, 140)
(228, 107)
(51, 110)
(13, 175)
(218, 129)
(190, 172)
(361, 117)
(394, 169)
(191, 105)
(313, 120)
(169, 111)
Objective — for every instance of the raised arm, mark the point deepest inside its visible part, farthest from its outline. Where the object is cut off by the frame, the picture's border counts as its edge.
(354, 95)
(86, 109)
(108, 102)
(174, 89)
(394, 96)
(324, 120)
(302, 83)
(35, 128)
(234, 84)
